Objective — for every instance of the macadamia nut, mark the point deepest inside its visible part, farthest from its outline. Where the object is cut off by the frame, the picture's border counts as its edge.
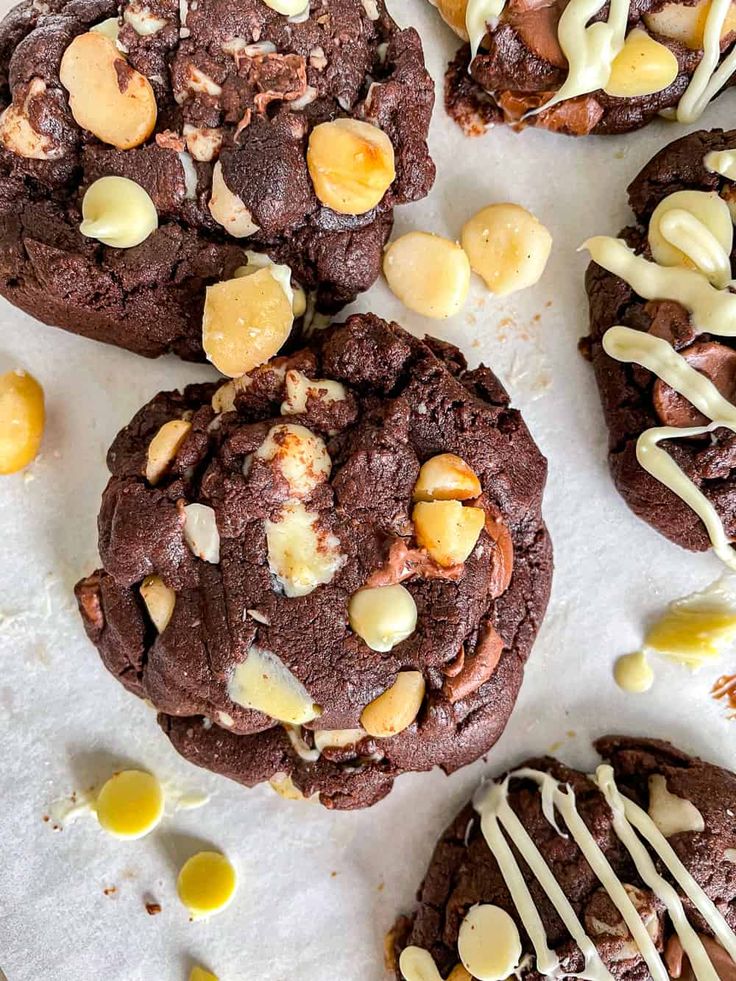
(383, 616)
(351, 164)
(301, 554)
(396, 708)
(107, 97)
(337, 738)
(446, 477)
(22, 419)
(428, 273)
(686, 23)
(448, 530)
(264, 683)
(299, 455)
(246, 321)
(160, 601)
(299, 389)
(642, 67)
(227, 209)
(18, 135)
(201, 533)
(507, 247)
(118, 212)
(163, 448)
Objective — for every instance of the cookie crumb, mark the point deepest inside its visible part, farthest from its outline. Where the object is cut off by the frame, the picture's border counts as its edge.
(153, 909)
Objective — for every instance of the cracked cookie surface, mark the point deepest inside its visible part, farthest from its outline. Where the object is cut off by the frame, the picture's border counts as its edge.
(326, 445)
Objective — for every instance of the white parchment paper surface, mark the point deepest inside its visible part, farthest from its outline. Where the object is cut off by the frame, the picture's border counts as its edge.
(319, 890)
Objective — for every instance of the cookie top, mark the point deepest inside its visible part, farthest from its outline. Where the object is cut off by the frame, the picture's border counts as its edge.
(586, 895)
(525, 56)
(211, 108)
(684, 317)
(330, 571)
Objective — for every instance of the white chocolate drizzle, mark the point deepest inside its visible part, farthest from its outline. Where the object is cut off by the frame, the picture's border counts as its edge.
(721, 162)
(479, 16)
(708, 78)
(497, 817)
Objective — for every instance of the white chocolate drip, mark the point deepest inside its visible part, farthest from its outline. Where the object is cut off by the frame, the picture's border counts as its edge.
(656, 355)
(708, 78)
(713, 310)
(627, 815)
(479, 16)
(497, 816)
(688, 234)
(590, 50)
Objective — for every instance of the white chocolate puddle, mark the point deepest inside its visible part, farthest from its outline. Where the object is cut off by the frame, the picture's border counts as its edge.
(633, 826)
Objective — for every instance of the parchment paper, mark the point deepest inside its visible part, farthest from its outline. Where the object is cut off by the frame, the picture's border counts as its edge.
(319, 890)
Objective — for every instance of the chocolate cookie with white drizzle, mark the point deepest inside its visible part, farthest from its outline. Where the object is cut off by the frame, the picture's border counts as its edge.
(662, 342)
(586, 66)
(626, 873)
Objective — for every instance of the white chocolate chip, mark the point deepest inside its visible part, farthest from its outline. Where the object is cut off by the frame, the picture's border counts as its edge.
(729, 855)
(448, 530)
(317, 58)
(299, 455)
(258, 616)
(163, 448)
(227, 209)
(110, 28)
(118, 212)
(417, 964)
(264, 683)
(190, 175)
(371, 9)
(200, 532)
(224, 398)
(199, 81)
(160, 600)
(299, 745)
(428, 273)
(672, 815)
(202, 142)
(446, 477)
(383, 616)
(489, 943)
(301, 554)
(299, 388)
(142, 20)
(642, 67)
(19, 137)
(507, 246)
(396, 708)
(310, 94)
(337, 738)
(225, 719)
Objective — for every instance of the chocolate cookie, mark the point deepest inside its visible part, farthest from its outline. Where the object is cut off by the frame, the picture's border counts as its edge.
(533, 55)
(329, 572)
(671, 359)
(210, 108)
(629, 873)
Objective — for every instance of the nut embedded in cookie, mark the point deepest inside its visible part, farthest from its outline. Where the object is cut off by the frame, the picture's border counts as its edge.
(351, 164)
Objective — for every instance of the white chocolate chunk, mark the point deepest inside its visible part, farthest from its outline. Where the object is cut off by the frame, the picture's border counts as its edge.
(202, 142)
(299, 455)
(693, 229)
(673, 815)
(227, 209)
(301, 554)
(289, 8)
(395, 709)
(383, 616)
(337, 738)
(200, 532)
(417, 964)
(489, 943)
(642, 67)
(264, 683)
(428, 273)
(118, 212)
(299, 388)
(507, 247)
(160, 600)
(19, 137)
(299, 744)
(163, 448)
(142, 20)
(110, 28)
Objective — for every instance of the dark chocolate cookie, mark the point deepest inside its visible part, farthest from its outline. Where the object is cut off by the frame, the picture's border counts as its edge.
(191, 93)
(636, 402)
(636, 852)
(520, 66)
(332, 576)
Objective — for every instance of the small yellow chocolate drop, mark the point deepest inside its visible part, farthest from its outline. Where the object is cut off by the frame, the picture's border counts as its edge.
(633, 673)
(130, 804)
(206, 884)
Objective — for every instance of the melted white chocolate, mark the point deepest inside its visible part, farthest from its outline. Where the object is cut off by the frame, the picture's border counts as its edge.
(721, 162)
(590, 50)
(479, 16)
(713, 310)
(708, 78)
(698, 243)
(417, 964)
(497, 817)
